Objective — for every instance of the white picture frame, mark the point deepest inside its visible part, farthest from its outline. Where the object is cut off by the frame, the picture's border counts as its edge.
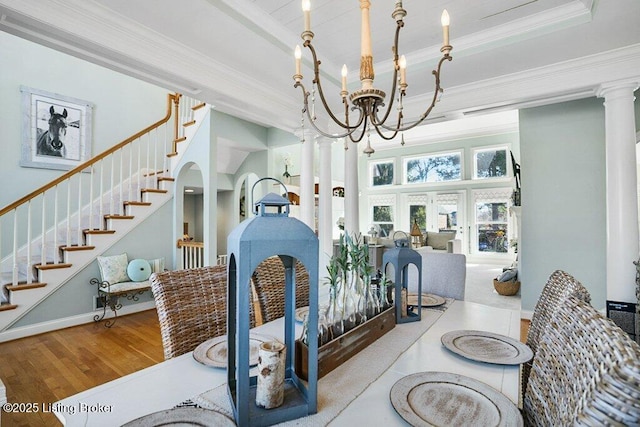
(56, 130)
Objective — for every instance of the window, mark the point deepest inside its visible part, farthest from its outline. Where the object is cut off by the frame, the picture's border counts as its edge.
(492, 221)
(381, 173)
(382, 213)
(490, 163)
(434, 168)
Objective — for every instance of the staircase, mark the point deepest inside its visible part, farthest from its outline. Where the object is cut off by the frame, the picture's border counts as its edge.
(63, 226)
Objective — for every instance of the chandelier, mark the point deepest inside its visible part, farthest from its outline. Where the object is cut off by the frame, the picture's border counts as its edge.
(368, 101)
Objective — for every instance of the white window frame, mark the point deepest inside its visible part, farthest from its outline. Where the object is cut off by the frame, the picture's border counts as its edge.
(406, 160)
(371, 168)
(491, 195)
(384, 200)
(508, 172)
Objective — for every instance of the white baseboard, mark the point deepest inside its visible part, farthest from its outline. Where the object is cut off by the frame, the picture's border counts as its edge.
(526, 314)
(80, 319)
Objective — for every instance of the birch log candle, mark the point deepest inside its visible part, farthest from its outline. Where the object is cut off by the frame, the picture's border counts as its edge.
(271, 361)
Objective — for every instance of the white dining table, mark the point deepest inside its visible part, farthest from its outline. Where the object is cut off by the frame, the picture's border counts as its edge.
(171, 382)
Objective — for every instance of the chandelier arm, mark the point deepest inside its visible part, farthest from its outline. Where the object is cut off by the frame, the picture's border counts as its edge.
(306, 110)
(358, 139)
(395, 131)
(436, 92)
(392, 95)
(316, 80)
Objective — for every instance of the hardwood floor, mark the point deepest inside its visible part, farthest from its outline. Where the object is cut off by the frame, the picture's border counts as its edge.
(46, 368)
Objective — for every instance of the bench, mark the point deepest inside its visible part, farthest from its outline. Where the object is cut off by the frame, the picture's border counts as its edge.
(120, 278)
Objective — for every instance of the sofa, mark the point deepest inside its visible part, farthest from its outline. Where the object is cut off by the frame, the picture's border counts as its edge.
(437, 241)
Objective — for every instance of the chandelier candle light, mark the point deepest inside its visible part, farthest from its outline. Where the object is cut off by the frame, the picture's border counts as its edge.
(368, 100)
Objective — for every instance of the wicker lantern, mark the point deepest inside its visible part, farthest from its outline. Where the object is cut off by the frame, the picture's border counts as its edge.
(271, 232)
(401, 256)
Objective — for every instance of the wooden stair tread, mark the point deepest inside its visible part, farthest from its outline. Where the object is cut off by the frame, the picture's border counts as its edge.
(77, 248)
(181, 139)
(5, 307)
(52, 266)
(25, 286)
(172, 154)
(119, 217)
(166, 178)
(191, 123)
(153, 190)
(199, 106)
(153, 173)
(140, 203)
(99, 231)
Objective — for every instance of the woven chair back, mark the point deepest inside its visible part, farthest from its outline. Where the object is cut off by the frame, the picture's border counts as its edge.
(586, 371)
(192, 307)
(558, 288)
(268, 280)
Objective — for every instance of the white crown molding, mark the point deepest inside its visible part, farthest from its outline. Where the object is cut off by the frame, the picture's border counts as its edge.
(568, 80)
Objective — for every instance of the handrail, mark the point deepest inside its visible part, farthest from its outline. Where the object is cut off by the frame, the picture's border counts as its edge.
(189, 244)
(170, 97)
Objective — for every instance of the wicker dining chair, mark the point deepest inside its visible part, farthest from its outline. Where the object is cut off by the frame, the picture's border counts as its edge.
(268, 280)
(586, 371)
(192, 307)
(558, 288)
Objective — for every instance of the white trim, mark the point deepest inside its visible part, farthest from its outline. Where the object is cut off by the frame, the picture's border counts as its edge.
(406, 159)
(372, 163)
(507, 159)
(526, 314)
(80, 319)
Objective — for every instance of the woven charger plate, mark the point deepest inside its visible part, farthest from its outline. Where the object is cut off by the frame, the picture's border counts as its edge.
(186, 416)
(428, 300)
(487, 347)
(445, 399)
(213, 352)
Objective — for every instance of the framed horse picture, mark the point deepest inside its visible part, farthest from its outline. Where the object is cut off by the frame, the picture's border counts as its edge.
(56, 130)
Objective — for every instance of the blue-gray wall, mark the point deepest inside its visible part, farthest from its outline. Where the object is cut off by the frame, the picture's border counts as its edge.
(563, 197)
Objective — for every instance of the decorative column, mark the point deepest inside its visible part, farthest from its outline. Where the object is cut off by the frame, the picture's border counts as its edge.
(351, 189)
(621, 189)
(325, 200)
(307, 187)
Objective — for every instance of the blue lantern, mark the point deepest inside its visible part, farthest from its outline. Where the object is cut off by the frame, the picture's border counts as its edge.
(271, 232)
(401, 256)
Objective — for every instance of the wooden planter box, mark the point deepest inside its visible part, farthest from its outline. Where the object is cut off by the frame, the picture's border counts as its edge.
(336, 352)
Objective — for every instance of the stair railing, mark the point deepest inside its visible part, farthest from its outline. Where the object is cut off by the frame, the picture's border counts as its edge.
(191, 254)
(83, 197)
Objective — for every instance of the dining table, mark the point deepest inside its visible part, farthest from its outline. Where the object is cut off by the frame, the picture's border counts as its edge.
(355, 393)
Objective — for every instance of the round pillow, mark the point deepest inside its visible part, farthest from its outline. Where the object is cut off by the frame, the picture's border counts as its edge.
(138, 270)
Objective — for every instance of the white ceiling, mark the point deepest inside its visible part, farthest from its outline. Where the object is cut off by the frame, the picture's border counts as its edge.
(237, 54)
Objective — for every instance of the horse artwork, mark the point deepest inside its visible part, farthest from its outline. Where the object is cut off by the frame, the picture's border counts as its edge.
(51, 142)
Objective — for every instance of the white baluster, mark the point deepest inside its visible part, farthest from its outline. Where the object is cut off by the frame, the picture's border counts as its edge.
(139, 156)
(29, 275)
(120, 183)
(101, 205)
(111, 190)
(68, 236)
(55, 223)
(43, 259)
(155, 151)
(14, 275)
(130, 171)
(90, 199)
(147, 181)
(79, 231)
